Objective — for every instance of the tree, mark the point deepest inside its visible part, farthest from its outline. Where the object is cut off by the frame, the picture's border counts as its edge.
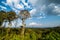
(11, 16)
(24, 14)
(3, 16)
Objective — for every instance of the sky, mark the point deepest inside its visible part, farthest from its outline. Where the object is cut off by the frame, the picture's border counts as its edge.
(44, 13)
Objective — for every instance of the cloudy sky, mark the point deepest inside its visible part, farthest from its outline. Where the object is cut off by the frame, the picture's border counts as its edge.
(44, 13)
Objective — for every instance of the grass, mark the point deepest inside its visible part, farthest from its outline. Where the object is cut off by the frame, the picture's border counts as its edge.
(30, 34)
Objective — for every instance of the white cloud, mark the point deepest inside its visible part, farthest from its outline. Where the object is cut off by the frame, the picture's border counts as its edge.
(19, 6)
(26, 4)
(40, 11)
(15, 10)
(42, 8)
(41, 17)
(4, 3)
(13, 7)
(15, 4)
(16, 23)
(29, 18)
(33, 11)
(19, 24)
(16, 1)
(3, 7)
(9, 2)
(33, 1)
(51, 5)
(56, 9)
(34, 24)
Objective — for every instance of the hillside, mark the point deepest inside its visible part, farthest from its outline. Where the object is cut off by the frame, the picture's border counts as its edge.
(30, 33)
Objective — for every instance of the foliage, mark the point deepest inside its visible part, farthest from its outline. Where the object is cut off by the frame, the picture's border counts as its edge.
(30, 34)
(3, 16)
(11, 15)
(7, 16)
(24, 14)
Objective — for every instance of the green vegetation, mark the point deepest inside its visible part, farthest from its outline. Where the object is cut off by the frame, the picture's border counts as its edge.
(7, 17)
(22, 33)
(30, 34)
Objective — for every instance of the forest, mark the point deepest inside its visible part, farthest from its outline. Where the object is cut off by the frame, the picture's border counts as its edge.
(30, 33)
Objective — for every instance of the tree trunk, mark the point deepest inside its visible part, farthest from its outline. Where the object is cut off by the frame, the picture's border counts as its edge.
(9, 24)
(5, 24)
(22, 30)
(8, 29)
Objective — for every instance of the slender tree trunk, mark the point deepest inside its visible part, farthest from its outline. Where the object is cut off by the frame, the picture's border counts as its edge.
(16, 23)
(22, 30)
(8, 29)
(5, 24)
(9, 24)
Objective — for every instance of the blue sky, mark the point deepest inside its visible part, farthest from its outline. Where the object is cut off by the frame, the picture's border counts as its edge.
(44, 13)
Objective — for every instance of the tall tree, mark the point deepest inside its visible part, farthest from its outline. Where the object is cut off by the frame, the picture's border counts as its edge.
(3, 16)
(11, 16)
(24, 14)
